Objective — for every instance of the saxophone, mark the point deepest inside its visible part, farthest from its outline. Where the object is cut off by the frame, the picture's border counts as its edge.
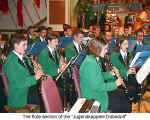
(37, 68)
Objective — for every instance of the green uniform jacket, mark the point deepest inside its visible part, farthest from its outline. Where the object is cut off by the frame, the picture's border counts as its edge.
(118, 62)
(31, 41)
(70, 51)
(19, 81)
(38, 39)
(107, 76)
(146, 42)
(49, 65)
(92, 82)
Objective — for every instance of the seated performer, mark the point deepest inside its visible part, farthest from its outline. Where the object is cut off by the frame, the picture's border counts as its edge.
(51, 61)
(43, 33)
(108, 38)
(50, 58)
(75, 47)
(31, 31)
(67, 38)
(20, 72)
(92, 80)
(121, 58)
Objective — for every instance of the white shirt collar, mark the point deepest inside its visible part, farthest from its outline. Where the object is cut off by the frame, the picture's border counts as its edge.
(139, 43)
(123, 54)
(30, 36)
(41, 39)
(97, 58)
(76, 45)
(20, 56)
(51, 49)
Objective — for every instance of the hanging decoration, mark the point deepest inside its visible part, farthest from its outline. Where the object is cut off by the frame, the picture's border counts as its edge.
(4, 6)
(37, 2)
(19, 13)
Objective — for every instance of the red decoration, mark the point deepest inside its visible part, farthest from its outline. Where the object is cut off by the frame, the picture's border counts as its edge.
(19, 12)
(4, 6)
(37, 2)
(95, 1)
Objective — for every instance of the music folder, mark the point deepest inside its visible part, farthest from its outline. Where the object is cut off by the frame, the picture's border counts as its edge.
(143, 72)
(139, 59)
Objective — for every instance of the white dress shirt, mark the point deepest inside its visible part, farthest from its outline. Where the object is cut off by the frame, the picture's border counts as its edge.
(42, 39)
(139, 43)
(51, 51)
(20, 56)
(78, 47)
(123, 54)
(30, 36)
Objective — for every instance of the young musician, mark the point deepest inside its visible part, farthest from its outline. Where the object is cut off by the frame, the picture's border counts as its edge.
(108, 38)
(67, 38)
(51, 61)
(121, 57)
(31, 32)
(92, 80)
(43, 34)
(20, 72)
(74, 48)
(50, 58)
(97, 32)
(141, 41)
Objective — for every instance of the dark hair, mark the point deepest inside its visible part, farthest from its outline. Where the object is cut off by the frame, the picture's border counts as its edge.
(138, 31)
(76, 33)
(17, 38)
(117, 49)
(108, 26)
(97, 26)
(95, 47)
(49, 28)
(107, 31)
(30, 27)
(42, 28)
(66, 27)
(126, 27)
(21, 31)
(51, 37)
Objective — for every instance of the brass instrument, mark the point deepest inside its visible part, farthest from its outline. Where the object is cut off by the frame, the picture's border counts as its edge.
(37, 68)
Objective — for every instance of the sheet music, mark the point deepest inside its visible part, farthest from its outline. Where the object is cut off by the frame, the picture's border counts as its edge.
(135, 58)
(143, 72)
(85, 40)
(139, 59)
(77, 106)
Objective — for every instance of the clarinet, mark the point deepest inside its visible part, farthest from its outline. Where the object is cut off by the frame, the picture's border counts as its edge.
(118, 75)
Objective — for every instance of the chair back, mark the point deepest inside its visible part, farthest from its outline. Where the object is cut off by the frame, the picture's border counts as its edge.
(50, 96)
(76, 79)
(5, 80)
